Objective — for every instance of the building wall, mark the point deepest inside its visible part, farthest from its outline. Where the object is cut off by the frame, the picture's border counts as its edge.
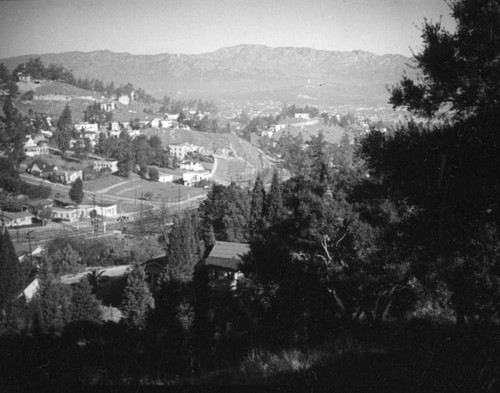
(112, 165)
(17, 222)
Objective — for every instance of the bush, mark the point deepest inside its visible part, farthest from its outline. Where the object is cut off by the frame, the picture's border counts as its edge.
(28, 96)
(260, 365)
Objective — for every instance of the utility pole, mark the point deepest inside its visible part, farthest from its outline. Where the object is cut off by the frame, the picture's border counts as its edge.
(102, 217)
(94, 218)
(142, 229)
(28, 235)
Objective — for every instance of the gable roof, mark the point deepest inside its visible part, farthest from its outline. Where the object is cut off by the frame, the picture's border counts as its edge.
(15, 215)
(227, 255)
(39, 202)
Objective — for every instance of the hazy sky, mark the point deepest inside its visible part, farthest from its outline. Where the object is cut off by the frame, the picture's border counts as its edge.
(197, 26)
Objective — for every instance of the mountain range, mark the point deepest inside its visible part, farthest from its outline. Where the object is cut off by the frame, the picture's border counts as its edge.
(244, 73)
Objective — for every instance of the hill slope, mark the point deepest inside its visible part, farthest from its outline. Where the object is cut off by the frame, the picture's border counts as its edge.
(242, 72)
(242, 163)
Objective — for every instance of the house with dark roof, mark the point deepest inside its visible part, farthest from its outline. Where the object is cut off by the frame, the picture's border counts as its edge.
(36, 205)
(223, 264)
(38, 168)
(154, 269)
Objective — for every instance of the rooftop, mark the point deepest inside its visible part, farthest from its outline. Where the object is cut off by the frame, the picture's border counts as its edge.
(14, 215)
(227, 255)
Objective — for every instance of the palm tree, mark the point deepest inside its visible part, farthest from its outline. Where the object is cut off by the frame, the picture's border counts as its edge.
(95, 279)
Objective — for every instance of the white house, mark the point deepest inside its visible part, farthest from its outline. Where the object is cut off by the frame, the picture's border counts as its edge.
(111, 164)
(180, 150)
(94, 127)
(108, 106)
(115, 133)
(165, 177)
(134, 133)
(156, 123)
(36, 146)
(105, 209)
(91, 135)
(191, 166)
(124, 99)
(115, 126)
(30, 142)
(167, 123)
(302, 116)
(191, 178)
(173, 116)
(71, 213)
(69, 177)
(17, 219)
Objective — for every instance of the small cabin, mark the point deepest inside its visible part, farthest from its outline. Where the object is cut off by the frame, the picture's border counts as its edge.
(223, 264)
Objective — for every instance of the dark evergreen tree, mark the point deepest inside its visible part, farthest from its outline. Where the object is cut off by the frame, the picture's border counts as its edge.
(274, 206)
(11, 273)
(13, 132)
(225, 212)
(138, 300)
(447, 171)
(184, 248)
(51, 306)
(124, 154)
(257, 205)
(84, 304)
(76, 191)
(8, 81)
(94, 114)
(319, 158)
(202, 326)
(154, 175)
(64, 129)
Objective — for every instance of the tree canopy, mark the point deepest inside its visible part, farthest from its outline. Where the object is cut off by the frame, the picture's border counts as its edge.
(11, 273)
(444, 175)
(76, 191)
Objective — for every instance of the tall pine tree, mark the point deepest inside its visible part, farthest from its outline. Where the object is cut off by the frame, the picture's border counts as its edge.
(184, 249)
(11, 273)
(257, 204)
(84, 304)
(13, 132)
(76, 192)
(274, 206)
(138, 300)
(64, 129)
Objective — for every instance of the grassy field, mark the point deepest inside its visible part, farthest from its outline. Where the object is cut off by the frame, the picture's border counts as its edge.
(103, 183)
(166, 192)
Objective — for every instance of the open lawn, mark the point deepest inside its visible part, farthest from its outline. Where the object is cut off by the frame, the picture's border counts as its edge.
(133, 189)
(166, 192)
(103, 183)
